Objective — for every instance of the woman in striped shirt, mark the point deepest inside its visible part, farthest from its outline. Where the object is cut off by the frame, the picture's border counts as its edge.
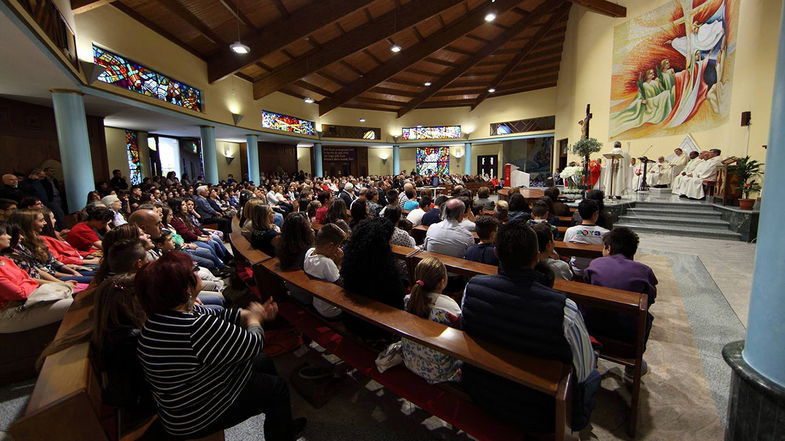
(205, 368)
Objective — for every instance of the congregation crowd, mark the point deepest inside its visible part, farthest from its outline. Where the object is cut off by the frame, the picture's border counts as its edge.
(153, 259)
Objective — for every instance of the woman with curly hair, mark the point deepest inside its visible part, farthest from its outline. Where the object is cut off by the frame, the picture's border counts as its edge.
(295, 239)
(337, 214)
(369, 270)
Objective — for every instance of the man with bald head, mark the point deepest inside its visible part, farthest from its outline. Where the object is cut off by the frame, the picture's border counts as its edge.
(448, 236)
(10, 188)
(148, 220)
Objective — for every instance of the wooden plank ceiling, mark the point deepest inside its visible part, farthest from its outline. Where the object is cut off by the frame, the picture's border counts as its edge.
(337, 52)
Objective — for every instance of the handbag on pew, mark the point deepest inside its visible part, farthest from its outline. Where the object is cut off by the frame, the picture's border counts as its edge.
(389, 357)
(48, 292)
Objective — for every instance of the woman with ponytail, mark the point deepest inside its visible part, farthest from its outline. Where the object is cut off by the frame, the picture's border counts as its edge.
(427, 301)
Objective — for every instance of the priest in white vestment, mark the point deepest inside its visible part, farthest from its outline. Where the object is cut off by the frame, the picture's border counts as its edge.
(618, 175)
(695, 160)
(677, 161)
(637, 178)
(692, 184)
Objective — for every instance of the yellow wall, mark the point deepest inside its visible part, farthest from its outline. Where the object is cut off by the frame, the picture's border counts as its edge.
(235, 168)
(304, 159)
(585, 78)
(376, 166)
(115, 152)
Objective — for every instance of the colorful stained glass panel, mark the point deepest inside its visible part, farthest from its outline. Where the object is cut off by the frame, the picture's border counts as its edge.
(286, 123)
(134, 77)
(134, 161)
(436, 132)
(433, 161)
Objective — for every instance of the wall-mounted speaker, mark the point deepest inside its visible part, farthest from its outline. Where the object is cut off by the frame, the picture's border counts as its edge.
(745, 118)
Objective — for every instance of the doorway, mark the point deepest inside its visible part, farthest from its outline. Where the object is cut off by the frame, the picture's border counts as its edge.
(488, 165)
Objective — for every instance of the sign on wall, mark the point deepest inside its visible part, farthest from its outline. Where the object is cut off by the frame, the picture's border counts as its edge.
(342, 154)
(673, 69)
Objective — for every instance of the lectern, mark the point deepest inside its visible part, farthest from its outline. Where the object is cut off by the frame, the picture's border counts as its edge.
(644, 185)
(613, 169)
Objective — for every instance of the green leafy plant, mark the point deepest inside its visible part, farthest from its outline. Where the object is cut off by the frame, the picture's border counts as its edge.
(747, 170)
(584, 148)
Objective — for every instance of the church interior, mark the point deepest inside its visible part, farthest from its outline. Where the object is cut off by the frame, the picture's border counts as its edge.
(633, 144)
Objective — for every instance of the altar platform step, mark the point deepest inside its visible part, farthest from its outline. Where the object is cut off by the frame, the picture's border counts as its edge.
(702, 221)
(681, 230)
(669, 211)
(682, 218)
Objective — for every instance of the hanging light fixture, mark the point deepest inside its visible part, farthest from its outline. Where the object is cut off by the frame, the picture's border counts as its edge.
(309, 100)
(489, 17)
(395, 48)
(491, 90)
(238, 47)
(427, 84)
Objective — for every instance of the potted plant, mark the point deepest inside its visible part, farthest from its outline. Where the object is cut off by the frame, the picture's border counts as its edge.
(747, 170)
(584, 148)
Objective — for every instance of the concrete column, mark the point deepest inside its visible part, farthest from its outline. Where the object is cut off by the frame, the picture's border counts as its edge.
(764, 349)
(317, 160)
(467, 158)
(74, 146)
(396, 159)
(209, 154)
(253, 157)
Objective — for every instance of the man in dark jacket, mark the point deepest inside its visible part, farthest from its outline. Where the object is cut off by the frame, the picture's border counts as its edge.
(33, 185)
(515, 309)
(10, 188)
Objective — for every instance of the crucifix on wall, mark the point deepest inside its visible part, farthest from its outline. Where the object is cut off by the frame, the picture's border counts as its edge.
(584, 123)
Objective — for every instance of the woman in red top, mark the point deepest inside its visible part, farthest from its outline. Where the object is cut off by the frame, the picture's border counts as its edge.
(16, 286)
(84, 235)
(62, 250)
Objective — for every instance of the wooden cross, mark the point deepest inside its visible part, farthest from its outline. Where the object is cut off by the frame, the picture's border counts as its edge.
(584, 123)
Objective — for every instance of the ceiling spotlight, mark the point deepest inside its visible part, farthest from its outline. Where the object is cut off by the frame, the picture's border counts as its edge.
(239, 48)
(395, 48)
(309, 100)
(490, 17)
(362, 119)
(491, 90)
(427, 84)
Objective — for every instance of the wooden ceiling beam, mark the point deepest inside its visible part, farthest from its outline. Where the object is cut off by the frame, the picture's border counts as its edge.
(419, 51)
(186, 15)
(388, 91)
(533, 42)
(519, 26)
(603, 7)
(155, 28)
(81, 6)
(234, 9)
(281, 9)
(542, 77)
(351, 42)
(281, 33)
(362, 99)
(316, 89)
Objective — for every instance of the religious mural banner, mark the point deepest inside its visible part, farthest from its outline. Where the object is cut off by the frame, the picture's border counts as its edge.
(673, 69)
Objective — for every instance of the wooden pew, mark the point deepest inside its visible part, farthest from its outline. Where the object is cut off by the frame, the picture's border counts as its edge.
(550, 377)
(563, 248)
(626, 353)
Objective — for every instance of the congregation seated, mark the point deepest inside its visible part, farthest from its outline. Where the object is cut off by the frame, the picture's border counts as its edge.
(514, 309)
(618, 269)
(690, 184)
(360, 211)
(207, 214)
(587, 232)
(338, 214)
(263, 234)
(18, 288)
(323, 262)
(62, 250)
(215, 373)
(604, 218)
(427, 301)
(502, 211)
(518, 207)
(415, 216)
(484, 252)
(434, 215)
(468, 214)
(558, 208)
(548, 255)
(541, 215)
(325, 200)
(449, 236)
(483, 201)
(7, 208)
(399, 237)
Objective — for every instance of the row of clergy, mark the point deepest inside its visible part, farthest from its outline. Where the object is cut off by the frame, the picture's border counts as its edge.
(684, 173)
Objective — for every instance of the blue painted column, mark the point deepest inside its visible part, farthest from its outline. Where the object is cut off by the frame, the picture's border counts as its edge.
(317, 160)
(396, 159)
(209, 154)
(467, 155)
(764, 349)
(74, 146)
(252, 141)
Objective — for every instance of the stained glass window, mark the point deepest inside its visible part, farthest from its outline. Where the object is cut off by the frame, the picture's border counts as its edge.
(286, 123)
(134, 161)
(433, 161)
(133, 76)
(436, 132)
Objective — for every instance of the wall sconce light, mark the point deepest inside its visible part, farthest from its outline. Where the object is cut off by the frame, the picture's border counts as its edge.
(384, 157)
(466, 135)
(395, 139)
(91, 70)
(228, 155)
(458, 153)
(236, 117)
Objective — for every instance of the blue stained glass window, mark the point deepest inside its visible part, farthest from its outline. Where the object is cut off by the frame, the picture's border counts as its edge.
(436, 132)
(134, 161)
(134, 77)
(433, 161)
(286, 123)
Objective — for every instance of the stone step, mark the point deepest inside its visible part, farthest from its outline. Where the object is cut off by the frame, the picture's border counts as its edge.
(691, 205)
(680, 230)
(705, 221)
(672, 212)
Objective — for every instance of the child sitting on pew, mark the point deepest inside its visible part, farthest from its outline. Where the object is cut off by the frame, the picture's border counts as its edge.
(323, 262)
(541, 215)
(547, 254)
(483, 252)
(588, 232)
(426, 301)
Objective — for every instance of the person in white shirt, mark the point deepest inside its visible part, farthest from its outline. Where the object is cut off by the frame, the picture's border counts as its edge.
(415, 216)
(113, 203)
(692, 184)
(322, 262)
(448, 236)
(587, 233)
